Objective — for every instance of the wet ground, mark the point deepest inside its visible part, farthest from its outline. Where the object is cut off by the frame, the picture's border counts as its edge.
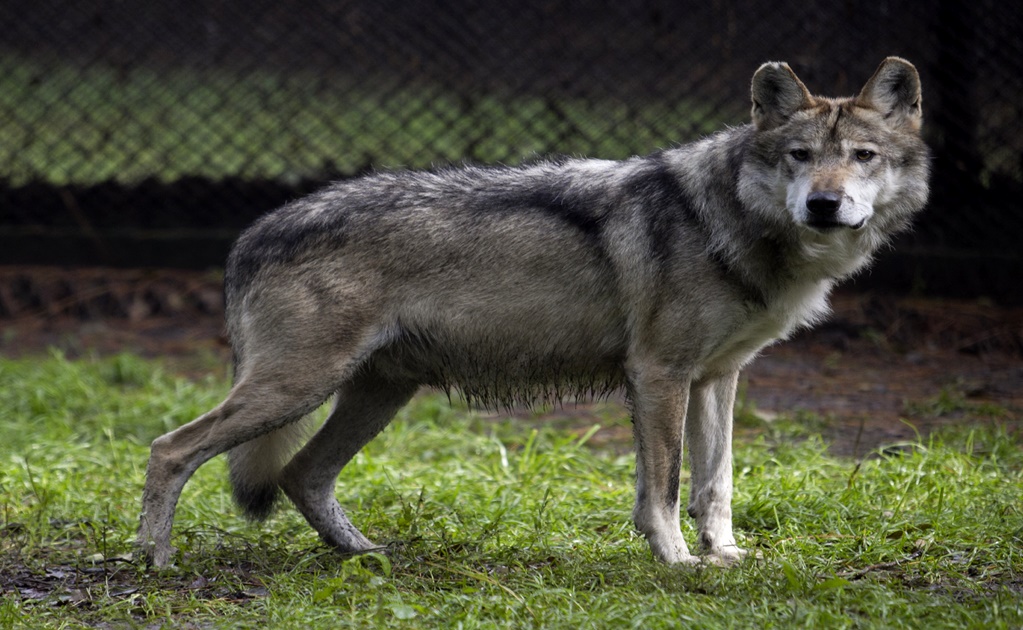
(881, 370)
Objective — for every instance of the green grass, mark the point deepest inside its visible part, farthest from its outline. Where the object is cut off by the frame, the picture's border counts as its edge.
(493, 524)
(66, 124)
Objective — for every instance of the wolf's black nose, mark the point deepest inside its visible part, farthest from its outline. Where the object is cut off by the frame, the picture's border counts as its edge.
(823, 204)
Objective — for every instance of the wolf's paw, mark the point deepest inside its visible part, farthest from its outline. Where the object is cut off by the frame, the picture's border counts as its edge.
(670, 548)
(727, 556)
(152, 554)
(150, 549)
(680, 560)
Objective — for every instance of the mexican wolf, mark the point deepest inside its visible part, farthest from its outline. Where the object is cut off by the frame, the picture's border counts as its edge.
(660, 275)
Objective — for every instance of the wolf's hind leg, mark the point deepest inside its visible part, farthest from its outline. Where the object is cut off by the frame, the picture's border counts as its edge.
(260, 402)
(364, 406)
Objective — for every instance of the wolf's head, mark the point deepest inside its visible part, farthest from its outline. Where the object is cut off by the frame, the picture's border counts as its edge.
(838, 164)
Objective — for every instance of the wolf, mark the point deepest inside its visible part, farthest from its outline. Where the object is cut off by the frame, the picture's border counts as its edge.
(661, 276)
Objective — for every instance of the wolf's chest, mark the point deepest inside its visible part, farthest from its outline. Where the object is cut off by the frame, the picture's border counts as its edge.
(761, 326)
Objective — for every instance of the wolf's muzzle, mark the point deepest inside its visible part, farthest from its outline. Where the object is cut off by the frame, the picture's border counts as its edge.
(822, 210)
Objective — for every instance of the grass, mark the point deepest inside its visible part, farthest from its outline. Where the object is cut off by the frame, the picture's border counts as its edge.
(66, 124)
(492, 524)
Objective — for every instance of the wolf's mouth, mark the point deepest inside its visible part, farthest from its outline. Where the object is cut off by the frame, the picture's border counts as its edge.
(827, 225)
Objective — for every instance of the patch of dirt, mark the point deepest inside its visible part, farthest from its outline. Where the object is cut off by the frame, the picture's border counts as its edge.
(884, 370)
(88, 587)
(881, 370)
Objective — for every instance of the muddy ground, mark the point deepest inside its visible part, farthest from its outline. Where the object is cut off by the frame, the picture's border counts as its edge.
(880, 370)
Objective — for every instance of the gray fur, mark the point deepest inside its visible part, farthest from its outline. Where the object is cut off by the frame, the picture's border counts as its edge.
(662, 275)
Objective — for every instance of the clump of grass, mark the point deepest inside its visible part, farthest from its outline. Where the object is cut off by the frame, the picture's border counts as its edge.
(489, 526)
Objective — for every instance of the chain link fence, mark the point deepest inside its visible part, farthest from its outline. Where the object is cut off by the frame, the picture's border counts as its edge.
(148, 134)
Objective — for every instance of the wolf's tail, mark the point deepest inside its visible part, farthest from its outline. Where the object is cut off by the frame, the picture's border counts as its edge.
(256, 468)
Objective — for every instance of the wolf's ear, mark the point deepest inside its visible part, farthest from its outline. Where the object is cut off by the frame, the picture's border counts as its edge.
(777, 94)
(894, 91)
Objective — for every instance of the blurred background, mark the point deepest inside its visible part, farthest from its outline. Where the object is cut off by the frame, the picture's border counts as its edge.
(147, 134)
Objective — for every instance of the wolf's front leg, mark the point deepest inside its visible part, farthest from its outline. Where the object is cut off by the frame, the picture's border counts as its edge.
(659, 410)
(709, 437)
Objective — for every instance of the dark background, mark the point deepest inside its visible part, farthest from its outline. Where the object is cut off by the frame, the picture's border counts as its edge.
(114, 147)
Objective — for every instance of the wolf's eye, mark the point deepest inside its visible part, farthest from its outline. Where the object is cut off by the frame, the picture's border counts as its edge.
(865, 155)
(800, 155)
